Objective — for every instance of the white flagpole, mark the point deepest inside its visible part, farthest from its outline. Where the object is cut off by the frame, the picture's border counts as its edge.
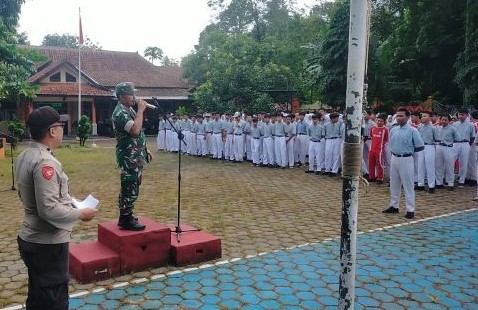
(79, 68)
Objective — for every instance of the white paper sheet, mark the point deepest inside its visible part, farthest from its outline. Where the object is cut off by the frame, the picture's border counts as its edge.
(89, 202)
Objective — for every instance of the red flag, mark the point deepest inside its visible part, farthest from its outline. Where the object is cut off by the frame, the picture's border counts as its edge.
(81, 33)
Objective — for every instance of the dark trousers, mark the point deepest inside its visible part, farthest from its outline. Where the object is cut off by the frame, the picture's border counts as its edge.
(130, 183)
(48, 277)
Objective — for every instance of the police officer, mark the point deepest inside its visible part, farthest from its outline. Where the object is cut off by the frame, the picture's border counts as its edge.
(49, 213)
(131, 152)
(404, 141)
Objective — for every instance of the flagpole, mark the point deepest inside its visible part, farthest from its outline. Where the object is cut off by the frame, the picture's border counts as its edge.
(79, 70)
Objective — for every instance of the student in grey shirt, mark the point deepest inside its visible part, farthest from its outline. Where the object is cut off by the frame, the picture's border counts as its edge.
(290, 133)
(462, 148)
(316, 133)
(445, 155)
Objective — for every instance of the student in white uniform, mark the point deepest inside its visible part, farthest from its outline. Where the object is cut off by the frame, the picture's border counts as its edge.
(290, 134)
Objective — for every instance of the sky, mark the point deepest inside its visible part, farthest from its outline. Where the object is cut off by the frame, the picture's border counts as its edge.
(117, 25)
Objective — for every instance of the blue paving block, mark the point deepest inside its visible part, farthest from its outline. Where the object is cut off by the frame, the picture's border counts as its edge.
(246, 290)
(76, 303)
(269, 304)
(264, 295)
(155, 285)
(171, 300)
(230, 304)
(153, 295)
(191, 303)
(110, 305)
(327, 301)
(136, 290)
(193, 286)
(116, 294)
(209, 282)
(172, 290)
(152, 304)
(263, 286)
(305, 295)
(311, 304)
(397, 292)
(211, 299)
(227, 286)
(95, 299)
(410, 287)
(368, 302)
(207, 290)
(191, 295)
(228, 295)
(250, 299)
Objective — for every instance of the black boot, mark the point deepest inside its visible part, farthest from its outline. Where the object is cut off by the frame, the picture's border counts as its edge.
(129, 222)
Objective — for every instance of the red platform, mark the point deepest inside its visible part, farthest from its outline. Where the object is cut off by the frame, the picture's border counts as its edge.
(193, 246)
(93, 261)
(137, 249)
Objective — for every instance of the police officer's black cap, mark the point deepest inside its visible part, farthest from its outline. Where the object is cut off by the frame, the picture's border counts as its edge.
(42, 118)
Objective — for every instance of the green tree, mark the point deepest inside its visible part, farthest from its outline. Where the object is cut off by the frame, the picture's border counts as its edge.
(332, 78)
(166, 61)
(16, 129)
(467, 61)
(153, 53)
(68, 41)
(16, 64)
(84, 129)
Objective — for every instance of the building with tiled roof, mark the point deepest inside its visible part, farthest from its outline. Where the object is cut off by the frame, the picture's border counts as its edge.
(58, 81)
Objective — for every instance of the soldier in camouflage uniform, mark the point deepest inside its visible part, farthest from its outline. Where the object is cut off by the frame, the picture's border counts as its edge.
(131, 152)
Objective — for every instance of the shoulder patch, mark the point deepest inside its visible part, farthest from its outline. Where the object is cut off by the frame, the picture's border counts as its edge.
(48, 172)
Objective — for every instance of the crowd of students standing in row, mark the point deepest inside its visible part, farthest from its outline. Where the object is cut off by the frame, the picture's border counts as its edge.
(315, 140)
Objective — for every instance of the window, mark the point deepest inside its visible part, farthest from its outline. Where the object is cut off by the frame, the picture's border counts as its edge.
(70, 78)
(55, 77)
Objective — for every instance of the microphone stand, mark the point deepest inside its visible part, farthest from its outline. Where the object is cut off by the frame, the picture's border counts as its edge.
(11, 155)
(178, 229)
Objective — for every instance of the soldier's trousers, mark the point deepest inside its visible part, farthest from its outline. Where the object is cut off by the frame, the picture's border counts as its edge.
(130, 183)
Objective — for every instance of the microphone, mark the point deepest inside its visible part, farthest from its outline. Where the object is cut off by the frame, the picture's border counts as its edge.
(148, 105)
(151, 106)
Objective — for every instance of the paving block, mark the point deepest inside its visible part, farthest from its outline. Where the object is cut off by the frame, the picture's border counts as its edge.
(137, 250)
(193, 246)
(93, 261)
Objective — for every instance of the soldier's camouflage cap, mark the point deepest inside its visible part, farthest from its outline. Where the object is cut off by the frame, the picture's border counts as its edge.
(125, 88)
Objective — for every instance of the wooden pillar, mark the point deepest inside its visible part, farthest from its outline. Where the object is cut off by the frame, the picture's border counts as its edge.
(93, 118)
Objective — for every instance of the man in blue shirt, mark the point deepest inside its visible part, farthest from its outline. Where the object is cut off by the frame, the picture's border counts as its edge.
(404, 141)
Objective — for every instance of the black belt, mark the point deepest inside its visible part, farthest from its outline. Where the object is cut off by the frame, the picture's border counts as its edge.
(238, 134)
(447, 145)
(429, 143)
(216, 133)
(402, 155)
(255, 138)
(366, 138)
(279, 136)
(314, 141)
(200, 134)
(463, 141)
(302, 134)
(332, 138)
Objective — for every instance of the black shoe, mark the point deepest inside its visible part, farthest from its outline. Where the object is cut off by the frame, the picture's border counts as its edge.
(461, 185)
(332, 174)
(439, 186)
(431, 190)
(450, 188)
(309, 171)
(419, 188)
(370, 180)
(316, 172)
(390, 210)
(365, 176)
(410, 215)
(129, 222)
(379, 181)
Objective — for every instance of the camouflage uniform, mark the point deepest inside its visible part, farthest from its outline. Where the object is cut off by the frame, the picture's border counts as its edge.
(131, 155)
